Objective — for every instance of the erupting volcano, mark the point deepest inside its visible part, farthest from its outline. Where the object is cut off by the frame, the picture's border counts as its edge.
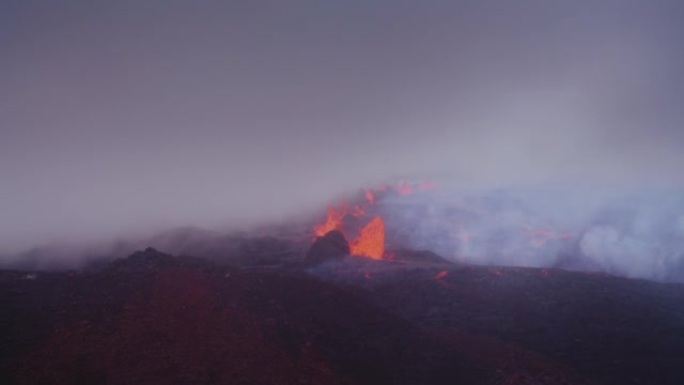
(368, 239)
(365, 221)
(417, 289)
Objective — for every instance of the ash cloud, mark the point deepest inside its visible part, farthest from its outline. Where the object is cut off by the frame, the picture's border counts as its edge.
(122, 118)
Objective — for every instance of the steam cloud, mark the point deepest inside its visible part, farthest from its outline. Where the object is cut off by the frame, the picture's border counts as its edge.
(636, 234)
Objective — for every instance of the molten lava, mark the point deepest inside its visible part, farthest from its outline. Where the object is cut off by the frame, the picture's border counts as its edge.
(333, 221)
(371, 240)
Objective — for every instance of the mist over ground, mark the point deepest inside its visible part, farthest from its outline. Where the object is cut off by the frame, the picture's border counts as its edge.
(121, 118)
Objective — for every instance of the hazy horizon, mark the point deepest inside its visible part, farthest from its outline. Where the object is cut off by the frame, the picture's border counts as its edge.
(120, 117)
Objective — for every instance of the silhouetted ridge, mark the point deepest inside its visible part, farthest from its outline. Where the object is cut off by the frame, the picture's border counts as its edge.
(152, 259)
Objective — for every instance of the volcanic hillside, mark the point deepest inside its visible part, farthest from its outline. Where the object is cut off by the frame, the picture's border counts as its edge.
(154, 318)
(348, 299)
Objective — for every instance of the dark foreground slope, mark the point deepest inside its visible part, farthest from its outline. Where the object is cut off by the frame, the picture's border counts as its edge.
(157, 319)
(538, 324)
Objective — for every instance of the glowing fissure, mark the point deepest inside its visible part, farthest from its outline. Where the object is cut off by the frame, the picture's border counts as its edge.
(371, 240)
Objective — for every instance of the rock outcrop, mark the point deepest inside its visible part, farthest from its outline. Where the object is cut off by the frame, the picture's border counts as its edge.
(331, 246)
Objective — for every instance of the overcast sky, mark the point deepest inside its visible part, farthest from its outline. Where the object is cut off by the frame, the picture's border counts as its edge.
(125, 115)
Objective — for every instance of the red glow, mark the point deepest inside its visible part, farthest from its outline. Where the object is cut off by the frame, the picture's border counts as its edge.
(370, 196)
(539, 236)
(404, 188)
(464, 235)
(371, 240)
(441, 274)
(368, 239)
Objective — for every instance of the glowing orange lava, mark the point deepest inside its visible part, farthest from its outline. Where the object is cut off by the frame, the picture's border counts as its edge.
(333, 221)
(371, 240)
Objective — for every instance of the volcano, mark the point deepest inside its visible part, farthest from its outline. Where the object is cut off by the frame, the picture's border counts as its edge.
(348, 299)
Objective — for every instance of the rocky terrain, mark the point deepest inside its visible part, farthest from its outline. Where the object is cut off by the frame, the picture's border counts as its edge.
(154, 318)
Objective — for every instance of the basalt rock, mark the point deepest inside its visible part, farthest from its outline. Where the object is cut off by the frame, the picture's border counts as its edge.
(331, 246)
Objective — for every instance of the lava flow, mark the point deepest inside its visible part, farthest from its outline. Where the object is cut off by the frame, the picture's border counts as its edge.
(371, 240)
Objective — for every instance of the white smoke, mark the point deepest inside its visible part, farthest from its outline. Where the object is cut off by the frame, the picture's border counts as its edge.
(638, 234)
(623, 255)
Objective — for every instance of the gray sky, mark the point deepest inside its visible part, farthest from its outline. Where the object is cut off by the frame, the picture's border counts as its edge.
(122, 116)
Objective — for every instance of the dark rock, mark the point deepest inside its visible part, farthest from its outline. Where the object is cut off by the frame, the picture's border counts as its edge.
(152, 259)
(331, 246)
